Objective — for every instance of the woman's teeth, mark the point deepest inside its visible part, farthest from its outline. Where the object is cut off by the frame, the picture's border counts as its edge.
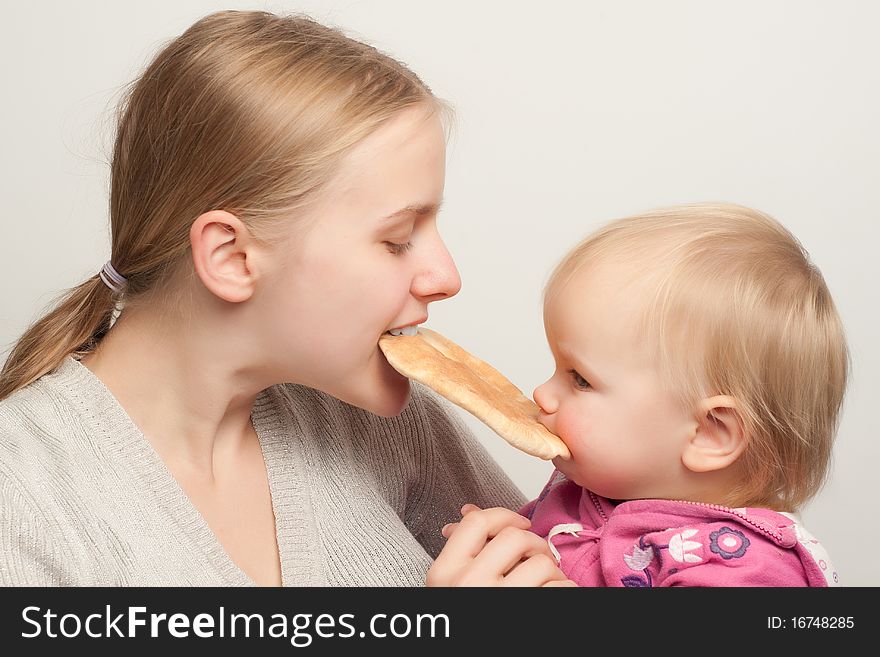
(406, 330)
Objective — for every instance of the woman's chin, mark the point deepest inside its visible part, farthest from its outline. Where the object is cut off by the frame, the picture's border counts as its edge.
(390, 405)
(377, 388)
(381, 390)
(392, 392)
(385, 400)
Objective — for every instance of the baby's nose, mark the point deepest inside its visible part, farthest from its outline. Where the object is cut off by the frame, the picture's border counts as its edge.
(544, 399)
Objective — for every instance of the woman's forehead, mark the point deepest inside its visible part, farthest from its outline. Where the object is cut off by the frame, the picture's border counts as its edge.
(410, 134)
(398, 170)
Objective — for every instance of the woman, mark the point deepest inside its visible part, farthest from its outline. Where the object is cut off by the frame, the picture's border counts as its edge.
(212, 407)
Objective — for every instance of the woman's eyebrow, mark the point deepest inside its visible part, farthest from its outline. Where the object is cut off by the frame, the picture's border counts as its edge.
(418, 209)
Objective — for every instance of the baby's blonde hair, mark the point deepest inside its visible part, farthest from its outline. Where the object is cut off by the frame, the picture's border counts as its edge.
(734, 306)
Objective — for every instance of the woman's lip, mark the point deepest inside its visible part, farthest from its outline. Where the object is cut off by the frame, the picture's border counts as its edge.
(415, 323)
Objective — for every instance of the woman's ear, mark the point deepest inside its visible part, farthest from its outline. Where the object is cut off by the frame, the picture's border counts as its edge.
(222, 255)
(720, 437)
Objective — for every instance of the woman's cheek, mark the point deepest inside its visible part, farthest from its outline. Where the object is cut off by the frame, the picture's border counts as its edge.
(394, 285)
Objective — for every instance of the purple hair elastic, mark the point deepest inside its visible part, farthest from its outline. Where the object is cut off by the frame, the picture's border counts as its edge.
(112, 278)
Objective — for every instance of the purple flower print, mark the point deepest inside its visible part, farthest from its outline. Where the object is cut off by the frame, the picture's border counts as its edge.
(729, 543)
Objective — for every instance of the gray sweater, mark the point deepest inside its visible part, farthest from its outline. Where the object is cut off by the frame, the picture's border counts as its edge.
(359, 500)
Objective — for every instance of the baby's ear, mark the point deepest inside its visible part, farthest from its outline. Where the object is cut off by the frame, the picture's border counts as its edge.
(720, 437)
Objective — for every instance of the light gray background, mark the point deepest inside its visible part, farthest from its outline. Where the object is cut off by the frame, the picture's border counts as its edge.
(569, 114)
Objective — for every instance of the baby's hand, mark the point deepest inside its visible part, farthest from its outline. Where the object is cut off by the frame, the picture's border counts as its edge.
(493, 547)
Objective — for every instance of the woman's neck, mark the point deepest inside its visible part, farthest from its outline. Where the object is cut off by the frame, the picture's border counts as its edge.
(181, 385)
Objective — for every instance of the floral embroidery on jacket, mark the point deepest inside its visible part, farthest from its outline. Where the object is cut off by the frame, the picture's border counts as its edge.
(728, 543)
(640, 558)
(634, 581)
(681, 549)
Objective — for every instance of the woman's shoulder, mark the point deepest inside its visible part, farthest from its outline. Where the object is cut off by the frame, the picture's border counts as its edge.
(39, 425)
(31, 414)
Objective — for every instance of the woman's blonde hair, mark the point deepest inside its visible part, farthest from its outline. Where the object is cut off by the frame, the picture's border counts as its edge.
(734, 306)
(246, 111)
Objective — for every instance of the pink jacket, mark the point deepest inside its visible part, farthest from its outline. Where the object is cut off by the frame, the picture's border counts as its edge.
(673, 543)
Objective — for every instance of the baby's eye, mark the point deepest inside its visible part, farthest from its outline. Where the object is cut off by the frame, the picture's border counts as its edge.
(579, 382)
(397, 248)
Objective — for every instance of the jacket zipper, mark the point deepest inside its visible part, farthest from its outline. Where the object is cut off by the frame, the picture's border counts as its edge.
(760, 525)
(598, 506)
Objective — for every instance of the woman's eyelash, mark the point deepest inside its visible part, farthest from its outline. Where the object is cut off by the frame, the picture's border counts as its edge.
(398, 248)
(579, 381)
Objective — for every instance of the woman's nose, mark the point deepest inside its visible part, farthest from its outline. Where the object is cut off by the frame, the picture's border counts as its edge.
(438, 278)
(544, 398)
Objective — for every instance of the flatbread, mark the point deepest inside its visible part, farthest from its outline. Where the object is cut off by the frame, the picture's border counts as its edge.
(475, 386)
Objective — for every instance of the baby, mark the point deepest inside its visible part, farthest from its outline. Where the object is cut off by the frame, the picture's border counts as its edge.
(700, 370)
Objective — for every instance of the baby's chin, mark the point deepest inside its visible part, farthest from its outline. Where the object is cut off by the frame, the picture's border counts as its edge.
(568, 468)
(615, 496)
(562, 465)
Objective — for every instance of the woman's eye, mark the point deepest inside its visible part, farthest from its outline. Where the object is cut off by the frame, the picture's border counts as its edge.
(397, 248)
(579, 381)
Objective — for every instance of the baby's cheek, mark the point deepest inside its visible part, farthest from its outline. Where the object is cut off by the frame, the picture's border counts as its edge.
(573, 430)
(575, 433)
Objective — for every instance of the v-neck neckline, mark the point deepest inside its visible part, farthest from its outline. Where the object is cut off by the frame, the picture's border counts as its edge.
(131, 446)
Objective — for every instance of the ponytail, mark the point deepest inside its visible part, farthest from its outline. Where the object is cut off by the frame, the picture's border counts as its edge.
(74, 326)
